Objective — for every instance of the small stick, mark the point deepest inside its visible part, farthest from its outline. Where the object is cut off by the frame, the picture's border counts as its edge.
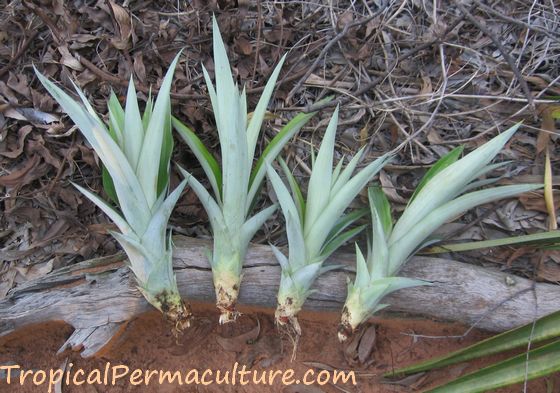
(374, 82)
(329, 45)
(19, 53)
(508, 19)
(503, 51)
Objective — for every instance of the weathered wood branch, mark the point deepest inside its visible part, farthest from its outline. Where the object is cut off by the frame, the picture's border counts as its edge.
(98, 296)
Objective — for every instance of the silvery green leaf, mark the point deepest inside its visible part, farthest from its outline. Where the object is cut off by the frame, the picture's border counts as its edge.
(165, 157)
(492, 167)
(297, 253)
(89, 109)
(328, 268)
(379, 259)
(344, 222)
(363, 277)
(397, 283)
(281, 258)
(317, 194)
(213, 98)
(148, 109)
(233, 138)
(479, 184)
(333, 244)
(294, 187)
(255, 124)
(378, 201)
(116, 118)
(212, 208)
(234, 162)
(305, 276)
(320, 229)
(400, 250)
(336, 171)
(137, 256)
(440, 165)
(129, 191)
(252, 225)
(347, 172)
(154, 237)
(104, 206)
(448, 183)
(133, 137)
(271, 152)
(161, 275)
(150, 154)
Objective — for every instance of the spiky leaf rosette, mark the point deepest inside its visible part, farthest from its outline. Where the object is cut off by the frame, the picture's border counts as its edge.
(440, 196)
(236, 185)
(318, 226)
(135, 152)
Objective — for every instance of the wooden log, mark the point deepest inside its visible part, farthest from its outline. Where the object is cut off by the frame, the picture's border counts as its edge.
(97, 297)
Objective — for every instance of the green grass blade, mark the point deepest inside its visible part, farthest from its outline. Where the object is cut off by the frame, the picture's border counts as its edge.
(165, 159)
(378, 201)
(440, 165)
(536, 239)
(109, 186)
(205, 158)
(541, 362)
(544, 328)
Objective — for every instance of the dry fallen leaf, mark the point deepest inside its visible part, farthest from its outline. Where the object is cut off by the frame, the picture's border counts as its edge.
(124, 24)
(238, 343)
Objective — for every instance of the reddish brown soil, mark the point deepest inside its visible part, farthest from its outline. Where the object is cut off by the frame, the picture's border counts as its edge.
(148, 344)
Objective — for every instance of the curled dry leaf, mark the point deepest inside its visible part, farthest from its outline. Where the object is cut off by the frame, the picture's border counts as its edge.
(267, 350)
(389, 188)
(359, 349)
(22, 175)
(124, 24)
(238, 343)
(68, 59)
(16, 152)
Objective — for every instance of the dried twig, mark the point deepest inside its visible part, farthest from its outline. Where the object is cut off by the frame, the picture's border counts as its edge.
(374, 82)
(505, 54)
(326, 48)
(19, 53)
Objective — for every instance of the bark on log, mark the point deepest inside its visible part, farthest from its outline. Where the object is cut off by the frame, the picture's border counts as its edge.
(98, 297)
